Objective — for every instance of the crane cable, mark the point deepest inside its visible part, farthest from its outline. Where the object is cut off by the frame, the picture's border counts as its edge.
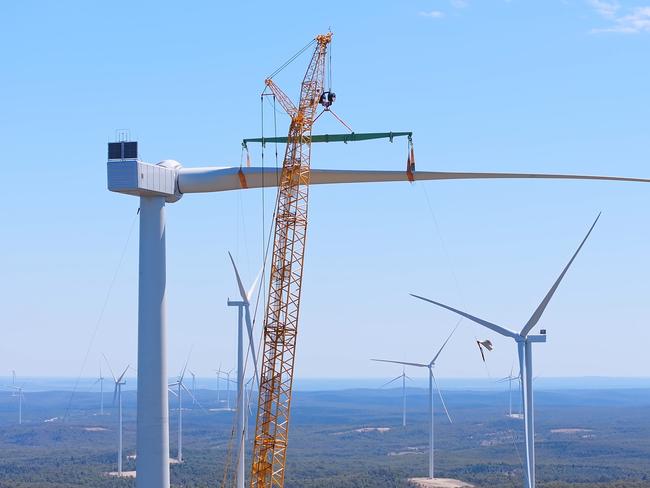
(462, 300)
(291, 60)
(228, 478)
(452, 271)
(100, 317)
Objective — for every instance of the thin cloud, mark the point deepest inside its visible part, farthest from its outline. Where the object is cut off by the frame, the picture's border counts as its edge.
(433, 14)
(604, 8)
(634, 21)
(459, 3)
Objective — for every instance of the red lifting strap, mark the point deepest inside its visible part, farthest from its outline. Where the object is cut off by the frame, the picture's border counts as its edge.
(242, 179)
(410, 165)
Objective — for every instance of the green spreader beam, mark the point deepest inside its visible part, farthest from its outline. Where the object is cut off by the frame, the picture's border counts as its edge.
(351, 137)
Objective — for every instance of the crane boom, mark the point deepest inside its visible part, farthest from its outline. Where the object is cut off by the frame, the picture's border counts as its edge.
(283, 305)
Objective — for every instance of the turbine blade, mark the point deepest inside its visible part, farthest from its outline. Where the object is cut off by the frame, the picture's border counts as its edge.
(251, 341)
(182, 375)
(115, 393)
(172, 391)
(251, 290)
(496, 328)
(433, 361)
(188, 392)
(194, 398)
(442, 400)
(123, 373)
(542, 306)
(391, 381)
(109, 367)
(240, 285)
(213, 179)
(417, 365)
(507, 378)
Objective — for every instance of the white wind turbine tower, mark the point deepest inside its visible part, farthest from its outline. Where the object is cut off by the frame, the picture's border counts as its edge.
(228, 381)
(218, 373)
(402, 377)
(430, 365)
(524, 348)
(510, 379)
(243, 306)
(193, 375)
(166, 182)
(180, 386)
(100, 380)
(17, 391)
(117, 395)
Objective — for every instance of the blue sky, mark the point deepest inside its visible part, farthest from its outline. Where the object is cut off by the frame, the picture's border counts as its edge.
(555, 86)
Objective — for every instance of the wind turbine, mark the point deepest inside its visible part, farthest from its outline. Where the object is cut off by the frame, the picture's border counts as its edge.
(524, 349)
(17, 391)
(218, 372)
(166, 182)
(243, 306)
(432, 379)
(510, 378)
(402, 377)
(117, 395)
(100, 380)
(228, 381)
(181, 386)
(193, 387)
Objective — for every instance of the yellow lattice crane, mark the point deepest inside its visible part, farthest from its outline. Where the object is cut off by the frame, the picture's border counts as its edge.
(283, 305)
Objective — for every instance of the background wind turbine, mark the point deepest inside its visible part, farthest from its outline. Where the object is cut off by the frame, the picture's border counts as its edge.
(510, 379)
(100, 380)
(403, 377)
(218, 373)
(524, 348)
(193, 387)
(117, 395)
(432, 380)
(181, 386)
(243, 306)
(228, 381)
(17, 391)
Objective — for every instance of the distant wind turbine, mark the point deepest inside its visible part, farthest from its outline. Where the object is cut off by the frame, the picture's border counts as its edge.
(193, 387)
(430, 365)
(403, 377)
(226, 374)
(17, 391)
(100, 380)
(218, 373)
(524, 348)
(181, 386)
(117, 395)
(510, 378)
(243, 305)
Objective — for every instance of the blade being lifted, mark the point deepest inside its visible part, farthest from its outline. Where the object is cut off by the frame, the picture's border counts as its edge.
(215, 179)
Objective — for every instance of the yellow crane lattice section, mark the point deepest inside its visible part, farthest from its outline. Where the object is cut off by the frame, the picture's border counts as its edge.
(283, 305)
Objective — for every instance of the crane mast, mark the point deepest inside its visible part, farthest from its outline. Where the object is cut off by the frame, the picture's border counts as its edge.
(287, 259)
